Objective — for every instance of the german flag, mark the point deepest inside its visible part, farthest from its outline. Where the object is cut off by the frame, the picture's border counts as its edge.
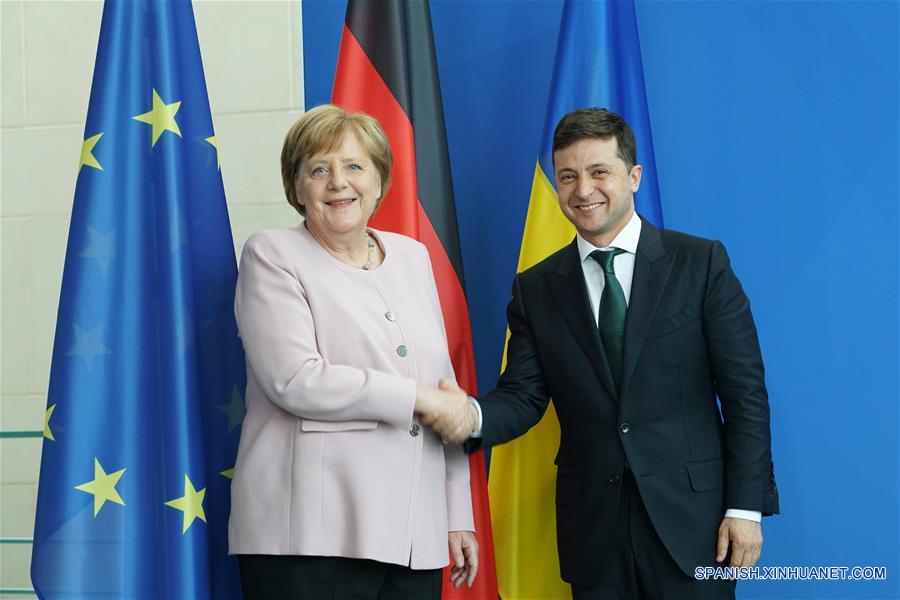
(386, 68)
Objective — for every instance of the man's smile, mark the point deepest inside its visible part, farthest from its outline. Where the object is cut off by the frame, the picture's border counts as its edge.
(590, 207)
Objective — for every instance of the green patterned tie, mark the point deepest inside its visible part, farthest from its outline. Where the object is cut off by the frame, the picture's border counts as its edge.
(612, 313)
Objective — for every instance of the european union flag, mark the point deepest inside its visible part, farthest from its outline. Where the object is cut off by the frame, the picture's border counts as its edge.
(145, 398)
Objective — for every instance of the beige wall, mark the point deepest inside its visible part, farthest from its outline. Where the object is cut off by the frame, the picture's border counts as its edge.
(252, 59)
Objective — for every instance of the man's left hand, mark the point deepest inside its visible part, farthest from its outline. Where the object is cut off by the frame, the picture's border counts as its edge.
(744, 537)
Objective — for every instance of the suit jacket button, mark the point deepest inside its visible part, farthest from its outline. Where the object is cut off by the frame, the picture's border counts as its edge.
(402, 351)
(614, 478)
(414, 430)
(389, 315)
(624, 428)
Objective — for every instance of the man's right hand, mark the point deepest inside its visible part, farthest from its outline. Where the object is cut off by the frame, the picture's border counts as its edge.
(447, 410)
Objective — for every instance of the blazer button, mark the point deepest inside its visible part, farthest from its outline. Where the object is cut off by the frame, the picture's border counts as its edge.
(414, 430)
(389, 315)
(402, 351)
(624, 428)
(614, 478)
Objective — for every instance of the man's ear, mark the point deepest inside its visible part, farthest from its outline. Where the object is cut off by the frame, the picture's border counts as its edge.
(635, 175)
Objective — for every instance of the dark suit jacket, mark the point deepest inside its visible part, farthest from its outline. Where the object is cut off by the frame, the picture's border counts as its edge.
(689, 337)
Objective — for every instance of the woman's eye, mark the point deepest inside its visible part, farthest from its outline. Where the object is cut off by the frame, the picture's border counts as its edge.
(354, 167)
(318, 171)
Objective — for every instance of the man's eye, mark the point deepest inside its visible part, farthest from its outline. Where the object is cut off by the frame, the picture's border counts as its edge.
(599, 172)
(567, 178)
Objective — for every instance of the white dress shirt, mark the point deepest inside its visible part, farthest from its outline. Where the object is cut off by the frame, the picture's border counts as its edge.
(623, 265)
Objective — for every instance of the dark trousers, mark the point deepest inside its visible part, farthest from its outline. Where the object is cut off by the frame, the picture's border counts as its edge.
(638, 566)
(265, 577)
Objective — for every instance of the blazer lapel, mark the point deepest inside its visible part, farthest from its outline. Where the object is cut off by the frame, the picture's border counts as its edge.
(570, 295)
(652, 266)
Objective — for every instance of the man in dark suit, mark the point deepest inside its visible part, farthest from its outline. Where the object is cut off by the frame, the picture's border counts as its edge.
(634, 332)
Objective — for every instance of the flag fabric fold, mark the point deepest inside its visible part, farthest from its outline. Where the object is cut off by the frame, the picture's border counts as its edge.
(598, 63)
(145, 397)
(386, 68)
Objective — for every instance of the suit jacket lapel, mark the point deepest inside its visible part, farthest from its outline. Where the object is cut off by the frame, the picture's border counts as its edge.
(570, 295)
(652, 266)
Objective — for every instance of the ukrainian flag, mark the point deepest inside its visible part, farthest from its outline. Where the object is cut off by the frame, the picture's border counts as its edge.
(598, 63)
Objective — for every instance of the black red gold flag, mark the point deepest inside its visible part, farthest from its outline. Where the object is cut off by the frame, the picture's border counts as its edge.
(386, 68)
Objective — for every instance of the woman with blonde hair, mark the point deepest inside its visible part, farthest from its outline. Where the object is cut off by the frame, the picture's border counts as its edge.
(339, 489)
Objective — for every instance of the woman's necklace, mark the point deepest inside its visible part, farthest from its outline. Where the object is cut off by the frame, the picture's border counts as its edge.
(371, 260)
(370, 243)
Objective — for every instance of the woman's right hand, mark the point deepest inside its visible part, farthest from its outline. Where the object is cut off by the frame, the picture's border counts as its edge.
(428, 400)
(446, 409)
(442, 401)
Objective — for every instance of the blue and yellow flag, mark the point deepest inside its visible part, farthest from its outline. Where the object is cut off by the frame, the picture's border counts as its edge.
(598, 63)
(145, 398)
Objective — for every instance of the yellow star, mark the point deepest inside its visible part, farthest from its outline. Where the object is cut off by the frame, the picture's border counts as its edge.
(229, 473)
(103, 487)
(191, 504)
(161, 118)
(87, 147)
(212, 142)
(47, 414)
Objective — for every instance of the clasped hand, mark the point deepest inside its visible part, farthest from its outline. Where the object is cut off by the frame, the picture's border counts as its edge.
(447, 410)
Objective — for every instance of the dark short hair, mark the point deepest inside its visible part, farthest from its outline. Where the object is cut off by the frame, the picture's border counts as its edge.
(596, 123)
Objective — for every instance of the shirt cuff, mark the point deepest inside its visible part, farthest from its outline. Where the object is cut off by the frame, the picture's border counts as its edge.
(477, 432)
(736, 513)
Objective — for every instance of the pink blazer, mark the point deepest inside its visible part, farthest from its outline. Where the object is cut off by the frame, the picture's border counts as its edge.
(332, 461)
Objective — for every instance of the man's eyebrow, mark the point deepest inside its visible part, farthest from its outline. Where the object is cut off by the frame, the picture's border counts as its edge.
(590, 166)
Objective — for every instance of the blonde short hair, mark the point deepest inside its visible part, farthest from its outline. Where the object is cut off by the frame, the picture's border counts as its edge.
(322, 129)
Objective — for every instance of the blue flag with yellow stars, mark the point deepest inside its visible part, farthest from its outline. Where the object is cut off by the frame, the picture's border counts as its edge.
(145, 399)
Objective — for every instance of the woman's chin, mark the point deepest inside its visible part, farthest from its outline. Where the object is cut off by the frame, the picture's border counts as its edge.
(344, 227)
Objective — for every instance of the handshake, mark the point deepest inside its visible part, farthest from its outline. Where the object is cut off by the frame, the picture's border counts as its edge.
(448, 410)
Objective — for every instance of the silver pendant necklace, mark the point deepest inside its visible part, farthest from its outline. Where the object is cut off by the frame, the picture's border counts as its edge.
(370, 243)
(371, 260)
